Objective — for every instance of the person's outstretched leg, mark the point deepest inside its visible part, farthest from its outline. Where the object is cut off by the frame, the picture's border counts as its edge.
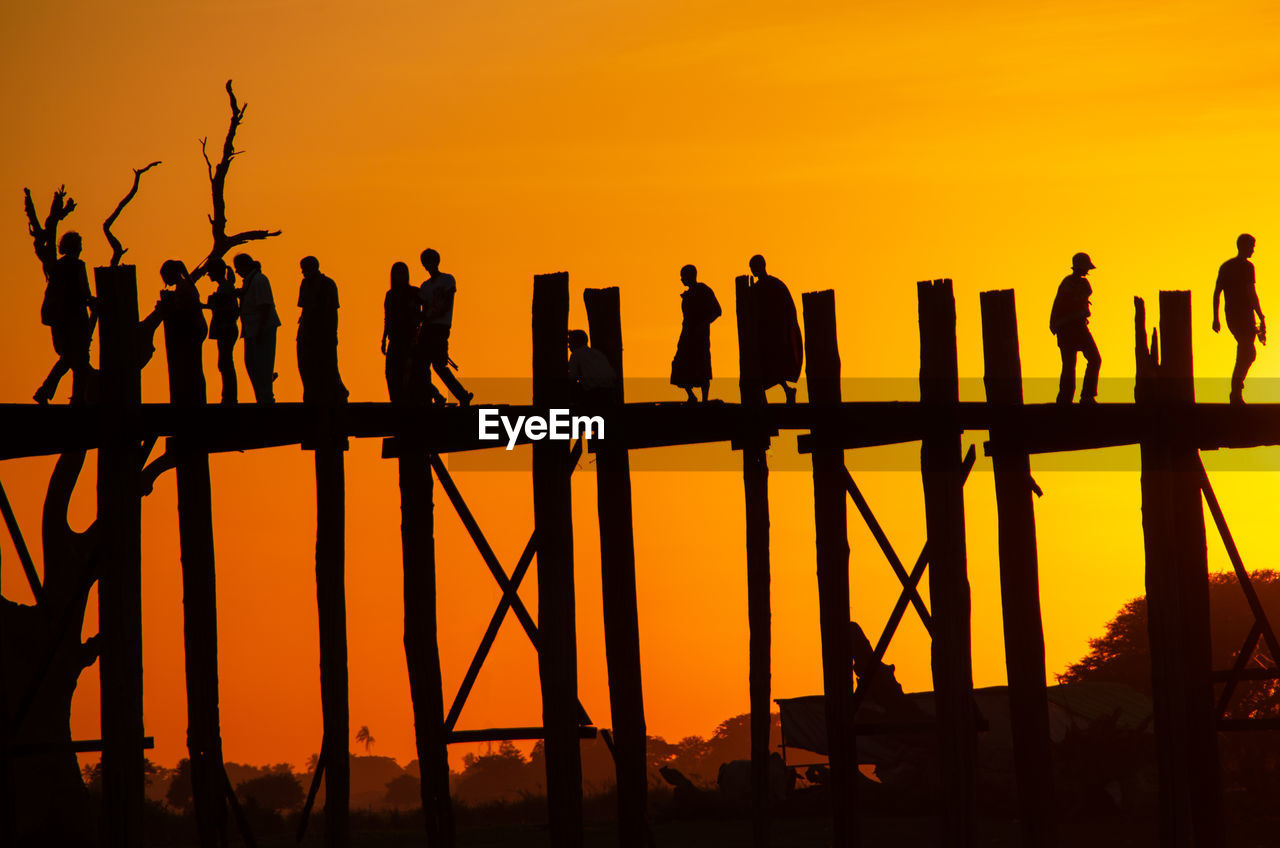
(1246, 353)
(227, 368)
(441, 366)
(1093, 364)
(1067, 382)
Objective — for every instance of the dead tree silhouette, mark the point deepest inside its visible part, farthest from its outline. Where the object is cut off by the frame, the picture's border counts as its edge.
(50, 801)
(211, 788)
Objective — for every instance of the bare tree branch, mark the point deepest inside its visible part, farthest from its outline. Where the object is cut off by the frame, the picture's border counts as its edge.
(117, 251)
(45, 236)
(217, 185)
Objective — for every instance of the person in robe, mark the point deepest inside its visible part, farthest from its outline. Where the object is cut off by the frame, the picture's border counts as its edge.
(185, 330)
(779, 345)
(318, 336)
(691, 367)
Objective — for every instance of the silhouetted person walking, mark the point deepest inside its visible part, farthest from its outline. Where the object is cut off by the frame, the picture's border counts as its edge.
(1236, 279)
(224, 317)
(437, 294)
(1069, 321)
(781, 347)
(258, 323)
(401, 315)
(318, 336)
(592, 380)
(691, 367)
(184, 334)
(65, 310)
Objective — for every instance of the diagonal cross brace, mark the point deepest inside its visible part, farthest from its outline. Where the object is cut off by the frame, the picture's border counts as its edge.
(909, 593)
(510, 588)
(24, 555)
(1242, 576)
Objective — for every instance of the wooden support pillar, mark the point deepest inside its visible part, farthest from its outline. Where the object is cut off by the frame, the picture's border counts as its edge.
(830, 518)
(618, 585)
(1019, 579)
(199, 585)
(120, 584)
(553, 524)
(421, 640)
(943, 477)
(1191, 811)
(753, 441)
(331, 603)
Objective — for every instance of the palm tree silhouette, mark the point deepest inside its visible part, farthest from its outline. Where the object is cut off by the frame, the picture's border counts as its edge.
(363, 735)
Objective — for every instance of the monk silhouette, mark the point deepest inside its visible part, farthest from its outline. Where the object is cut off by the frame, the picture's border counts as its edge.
(318, 336)
(184, 334)
(401, 314)
(1237, 281)
(778, 336)
(691, 367)
(1069, 321)
(592, 380)
(65, 310)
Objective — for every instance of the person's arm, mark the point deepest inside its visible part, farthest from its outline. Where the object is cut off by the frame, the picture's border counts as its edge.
(386, 321)
(1217, 298)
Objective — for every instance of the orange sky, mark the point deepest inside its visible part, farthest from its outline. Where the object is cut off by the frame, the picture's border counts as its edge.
(858, 149)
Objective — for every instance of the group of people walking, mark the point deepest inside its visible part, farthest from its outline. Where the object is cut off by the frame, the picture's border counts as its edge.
(418, 320)
(415, 334)
(1069, 321)
(777, 342)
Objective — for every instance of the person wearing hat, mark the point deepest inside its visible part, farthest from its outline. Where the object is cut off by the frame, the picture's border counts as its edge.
(1237, 281)
(1069, 321)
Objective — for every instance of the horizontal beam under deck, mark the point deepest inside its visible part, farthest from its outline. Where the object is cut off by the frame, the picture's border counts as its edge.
(32, 430)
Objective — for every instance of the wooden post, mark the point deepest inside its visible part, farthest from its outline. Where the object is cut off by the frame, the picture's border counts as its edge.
(618, 585)
(754, 442)
(1178, 594)
(1019, 578)
(943, 478)
(830, 518)
(331, 604)
(553, 523)
(421, 642)
(199, 587)
(120, 584)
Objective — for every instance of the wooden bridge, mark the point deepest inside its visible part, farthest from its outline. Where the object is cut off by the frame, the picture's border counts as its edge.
(1164, 419)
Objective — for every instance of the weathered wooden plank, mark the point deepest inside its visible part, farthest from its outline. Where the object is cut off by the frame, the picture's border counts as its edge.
(822, 368)
(941, 471)
(553, 523)
(1019, 581)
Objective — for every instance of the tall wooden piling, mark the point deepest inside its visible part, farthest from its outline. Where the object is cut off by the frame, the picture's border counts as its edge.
(830, 515)
(943, 479)
(199, 586)
(1178, 592)
(618, 585)
(331, 604)
(1019, 578)
(753, 441)
(421, 642)
(553, 523)
(120, 583)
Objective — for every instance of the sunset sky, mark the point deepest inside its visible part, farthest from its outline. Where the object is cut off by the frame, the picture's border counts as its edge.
(860, 147)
